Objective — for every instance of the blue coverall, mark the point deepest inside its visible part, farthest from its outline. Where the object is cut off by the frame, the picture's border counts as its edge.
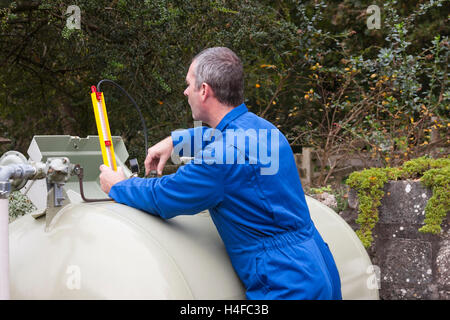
(263, 219)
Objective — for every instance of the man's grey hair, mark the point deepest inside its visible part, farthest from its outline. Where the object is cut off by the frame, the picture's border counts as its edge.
(222, 70)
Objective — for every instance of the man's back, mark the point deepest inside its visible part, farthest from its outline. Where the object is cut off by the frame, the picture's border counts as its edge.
(263, 195)
(263, 218)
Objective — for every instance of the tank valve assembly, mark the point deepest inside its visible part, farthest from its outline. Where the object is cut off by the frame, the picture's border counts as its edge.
(15, 171)
(59, 171)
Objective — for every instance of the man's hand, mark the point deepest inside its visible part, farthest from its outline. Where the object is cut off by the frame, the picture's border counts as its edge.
(109, 177)
(158, 155)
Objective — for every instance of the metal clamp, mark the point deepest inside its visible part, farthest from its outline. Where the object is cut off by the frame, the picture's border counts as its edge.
(5, 189)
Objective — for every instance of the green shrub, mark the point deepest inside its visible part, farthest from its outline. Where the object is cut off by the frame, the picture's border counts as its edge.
(313, 68)
(19, 205)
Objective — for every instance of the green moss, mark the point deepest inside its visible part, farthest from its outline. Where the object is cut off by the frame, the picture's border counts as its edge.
(19, 205)
(438, 179)
(369, 183)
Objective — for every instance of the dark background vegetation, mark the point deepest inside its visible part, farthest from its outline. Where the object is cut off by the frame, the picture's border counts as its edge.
(313, 68)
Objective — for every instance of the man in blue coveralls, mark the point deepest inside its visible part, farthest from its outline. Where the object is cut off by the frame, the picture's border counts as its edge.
(243, 171)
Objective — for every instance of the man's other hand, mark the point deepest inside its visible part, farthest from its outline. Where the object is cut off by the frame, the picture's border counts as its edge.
(109, 177)
(158, 155)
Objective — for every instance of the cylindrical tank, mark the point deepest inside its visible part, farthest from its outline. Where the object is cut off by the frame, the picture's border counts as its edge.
(4, 251)
(110, 251)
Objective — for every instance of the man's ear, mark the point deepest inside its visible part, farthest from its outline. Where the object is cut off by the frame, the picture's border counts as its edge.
(205, 91)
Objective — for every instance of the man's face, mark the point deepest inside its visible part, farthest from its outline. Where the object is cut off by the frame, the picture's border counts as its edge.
(193, 95)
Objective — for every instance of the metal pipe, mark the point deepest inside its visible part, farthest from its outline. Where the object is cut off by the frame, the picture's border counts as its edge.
(79, 172)
(5, 189)
(16, 171)
(12, 171)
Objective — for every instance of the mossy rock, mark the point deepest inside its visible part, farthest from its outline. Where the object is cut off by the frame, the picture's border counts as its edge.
(369, 183)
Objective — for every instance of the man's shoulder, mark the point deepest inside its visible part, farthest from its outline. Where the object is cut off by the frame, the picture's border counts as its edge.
(249, 120)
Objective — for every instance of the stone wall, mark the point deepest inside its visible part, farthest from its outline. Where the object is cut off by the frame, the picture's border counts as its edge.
(412, 265)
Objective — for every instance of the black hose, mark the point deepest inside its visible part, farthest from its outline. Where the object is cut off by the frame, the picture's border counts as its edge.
(135, 105)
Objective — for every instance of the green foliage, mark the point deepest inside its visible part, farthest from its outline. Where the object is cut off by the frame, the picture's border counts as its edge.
(438, 179)
(341, 199)
(369, 183)
(321, 190)
(19, 205)
(312, 68)
(340, 196)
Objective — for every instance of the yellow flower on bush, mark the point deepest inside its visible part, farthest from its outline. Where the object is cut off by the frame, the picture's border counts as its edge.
(317, 65)
(270, 66)
(257, 85)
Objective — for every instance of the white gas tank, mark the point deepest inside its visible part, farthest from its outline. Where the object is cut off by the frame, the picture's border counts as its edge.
(105, 250)
(110, 251)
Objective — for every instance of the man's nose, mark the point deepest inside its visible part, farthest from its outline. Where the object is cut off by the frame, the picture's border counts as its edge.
(185, 92)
